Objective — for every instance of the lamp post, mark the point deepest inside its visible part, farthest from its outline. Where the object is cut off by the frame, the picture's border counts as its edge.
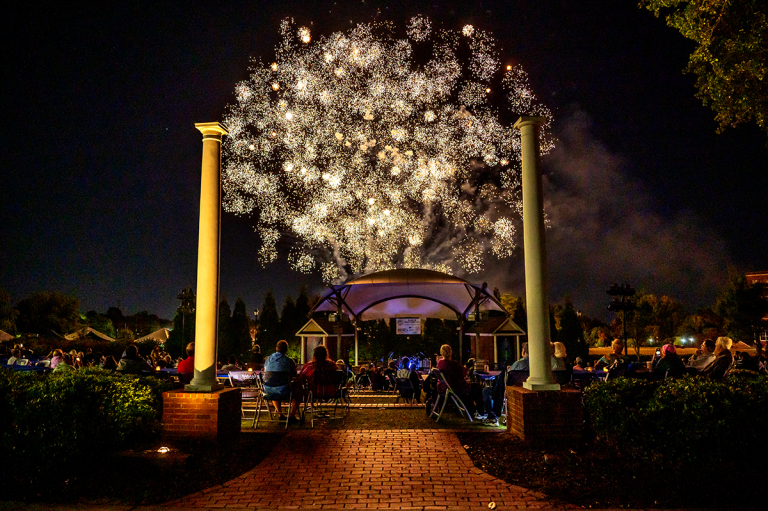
(622, 302)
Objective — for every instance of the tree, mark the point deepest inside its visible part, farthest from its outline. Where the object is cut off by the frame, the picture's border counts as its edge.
(569, 331)
(268, 332)
(225, 346)
(743, 308)
(731, 58)
(289, 321)
(101, 323)
(240, 330)
(7, 313)
(45, 312)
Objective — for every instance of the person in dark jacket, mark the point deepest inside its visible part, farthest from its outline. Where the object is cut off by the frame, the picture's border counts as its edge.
(669, 363)
(723, 359)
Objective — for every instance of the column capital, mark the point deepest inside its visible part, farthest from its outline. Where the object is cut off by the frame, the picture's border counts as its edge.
(525, 120)
(211, 130)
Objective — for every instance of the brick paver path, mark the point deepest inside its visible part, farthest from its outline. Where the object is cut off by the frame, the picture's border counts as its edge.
(354, 469)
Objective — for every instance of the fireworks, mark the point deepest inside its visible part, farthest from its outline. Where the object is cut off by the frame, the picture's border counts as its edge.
(361, 155)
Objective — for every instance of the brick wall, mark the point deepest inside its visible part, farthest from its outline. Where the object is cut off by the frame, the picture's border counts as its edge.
(201, 414)
(551, 415)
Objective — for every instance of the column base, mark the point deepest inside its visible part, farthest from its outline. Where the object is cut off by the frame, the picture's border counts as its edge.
(202, 415)
(545, 416)
(213, 387)
(541, 386)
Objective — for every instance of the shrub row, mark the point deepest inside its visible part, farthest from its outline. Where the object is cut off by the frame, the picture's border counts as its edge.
(58, 419)
(681, 422)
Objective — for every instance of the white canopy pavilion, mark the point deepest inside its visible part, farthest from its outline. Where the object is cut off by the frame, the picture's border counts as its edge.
(408, 293)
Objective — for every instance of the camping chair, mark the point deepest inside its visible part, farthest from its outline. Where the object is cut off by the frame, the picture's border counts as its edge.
(250, 392)
(273, 384)
(392, 382)
(504, 408)
(325, 390)
(405, 390)
(449, 393)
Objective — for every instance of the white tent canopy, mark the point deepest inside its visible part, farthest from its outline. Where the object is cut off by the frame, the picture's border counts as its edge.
(426, 293)
(158, 335)
(407, 292)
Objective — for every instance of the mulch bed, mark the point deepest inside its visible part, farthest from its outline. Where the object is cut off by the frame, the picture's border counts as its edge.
(144, 476)
(595, 476)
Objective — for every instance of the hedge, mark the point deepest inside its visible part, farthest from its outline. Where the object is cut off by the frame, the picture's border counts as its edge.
(681, 422)
(61, 418)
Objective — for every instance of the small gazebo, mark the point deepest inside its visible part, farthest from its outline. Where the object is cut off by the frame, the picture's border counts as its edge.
(407, 293)
(317, 331)
(499, 326)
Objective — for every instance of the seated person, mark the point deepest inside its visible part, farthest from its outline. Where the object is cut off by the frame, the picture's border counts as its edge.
(362, 379)
(378, 380)
(578, 364)
(469, 365)
(522, 364)
(279, 369)
(65, 364)
(412, 376)
(723, 359)
(320, 364)
(108, 363)
(58, 356)
(131, 362)
(704, 356)
(186, 368)
(231, 365)
(15, 355)
(470, 393)
(493, 398)
(614, 358)
(669, 363)
(256, 356)
(557, 356)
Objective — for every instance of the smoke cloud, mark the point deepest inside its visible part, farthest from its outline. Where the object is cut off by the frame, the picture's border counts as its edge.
(605, 226)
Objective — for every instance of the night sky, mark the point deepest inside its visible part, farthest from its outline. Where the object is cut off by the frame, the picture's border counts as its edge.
(99, 191)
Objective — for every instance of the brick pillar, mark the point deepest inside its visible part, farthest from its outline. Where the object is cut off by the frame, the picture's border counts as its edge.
(211, 415)
(544, 415)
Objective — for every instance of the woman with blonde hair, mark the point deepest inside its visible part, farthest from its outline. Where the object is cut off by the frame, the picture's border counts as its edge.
(471, 393)
(558, 356)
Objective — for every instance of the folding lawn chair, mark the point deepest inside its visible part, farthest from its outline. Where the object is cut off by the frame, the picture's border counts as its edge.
(275, 386)
(326, 389)
(449, 393)
(250, 392)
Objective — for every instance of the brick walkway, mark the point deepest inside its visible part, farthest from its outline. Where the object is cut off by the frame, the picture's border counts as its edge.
(350, 469)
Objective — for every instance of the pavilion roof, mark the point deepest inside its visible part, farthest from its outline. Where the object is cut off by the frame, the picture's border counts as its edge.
(416, 292)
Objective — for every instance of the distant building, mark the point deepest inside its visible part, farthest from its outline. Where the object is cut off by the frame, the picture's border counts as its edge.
(759, 277)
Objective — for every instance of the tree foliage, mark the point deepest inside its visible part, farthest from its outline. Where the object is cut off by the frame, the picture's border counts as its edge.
(268, 332)
(731, 57)
(240, 329)
(7, 313)
(46, 312)
(743, 307)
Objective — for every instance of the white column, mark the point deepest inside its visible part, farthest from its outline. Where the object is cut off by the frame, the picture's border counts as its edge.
(206, 323)
(537, 300)
(303, 349)
(495, 350)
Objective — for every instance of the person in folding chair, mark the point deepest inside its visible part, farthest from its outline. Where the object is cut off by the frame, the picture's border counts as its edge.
(319, 363)
(455, 375)
(408, 381)
(279, 370)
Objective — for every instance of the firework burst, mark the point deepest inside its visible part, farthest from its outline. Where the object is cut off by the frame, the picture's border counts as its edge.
(360, 153)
